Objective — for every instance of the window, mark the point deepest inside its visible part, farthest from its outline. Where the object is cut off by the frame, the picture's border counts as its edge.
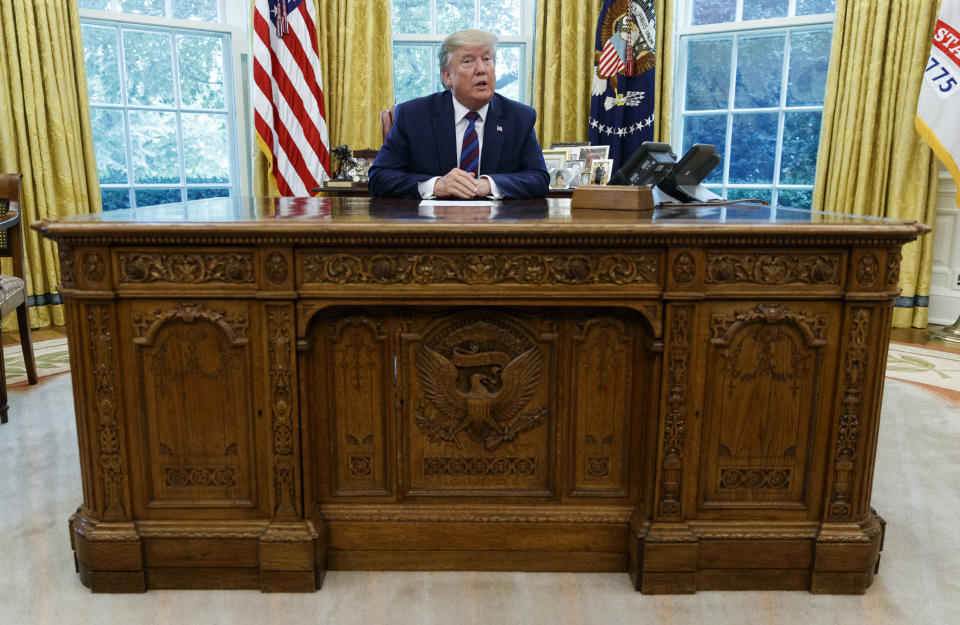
(419, 27)
(751, 80)
(160, 79)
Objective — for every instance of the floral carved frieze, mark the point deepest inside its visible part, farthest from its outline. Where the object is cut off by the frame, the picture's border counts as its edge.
(205, 477)
(105, 402)
(674, 427)
(773, 269)
(868, 268)
(94, 269)
(279, 320)
(478, 467)
(471, 268)
(776, 479)
(186, 267)
(893, 267)
(276, 268)
(146, 325)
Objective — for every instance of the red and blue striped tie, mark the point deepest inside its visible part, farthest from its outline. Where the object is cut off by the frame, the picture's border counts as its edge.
(470, 151)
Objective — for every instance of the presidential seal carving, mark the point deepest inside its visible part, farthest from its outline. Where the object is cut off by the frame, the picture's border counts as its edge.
(478, 378)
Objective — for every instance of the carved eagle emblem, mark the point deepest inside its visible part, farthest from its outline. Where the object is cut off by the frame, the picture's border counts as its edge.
(479, 391)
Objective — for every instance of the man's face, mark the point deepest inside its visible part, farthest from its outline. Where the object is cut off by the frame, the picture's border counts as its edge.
(471, 75)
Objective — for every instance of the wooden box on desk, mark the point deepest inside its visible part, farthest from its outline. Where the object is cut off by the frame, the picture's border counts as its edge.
(613, 197)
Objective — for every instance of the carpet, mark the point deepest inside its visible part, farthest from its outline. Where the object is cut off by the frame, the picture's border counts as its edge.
(933, 368)
(51, 357)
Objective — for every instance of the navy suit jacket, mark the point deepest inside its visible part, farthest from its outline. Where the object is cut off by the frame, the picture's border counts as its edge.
(423, 144)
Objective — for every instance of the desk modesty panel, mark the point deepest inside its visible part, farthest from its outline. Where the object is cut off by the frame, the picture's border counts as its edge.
(267, 389)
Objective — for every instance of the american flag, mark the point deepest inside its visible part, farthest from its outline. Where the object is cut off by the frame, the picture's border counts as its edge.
(289, 114)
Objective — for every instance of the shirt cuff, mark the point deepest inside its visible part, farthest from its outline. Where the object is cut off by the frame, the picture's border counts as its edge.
(494, 189)
(426, 188)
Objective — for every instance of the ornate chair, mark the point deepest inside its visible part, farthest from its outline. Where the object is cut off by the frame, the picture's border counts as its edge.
(386, 121)
(13, 289)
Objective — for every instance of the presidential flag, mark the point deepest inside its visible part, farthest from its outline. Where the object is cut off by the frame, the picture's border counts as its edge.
(938, 109)
(621, 106)
(289, 115)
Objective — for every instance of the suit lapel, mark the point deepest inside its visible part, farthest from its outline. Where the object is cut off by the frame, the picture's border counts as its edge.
(494, 127)
(444, 133)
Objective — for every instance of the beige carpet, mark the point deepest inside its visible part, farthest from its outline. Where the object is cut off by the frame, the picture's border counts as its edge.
(916, 488)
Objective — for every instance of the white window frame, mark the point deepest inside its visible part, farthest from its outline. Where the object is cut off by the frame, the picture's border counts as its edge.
(525, 40)
(233, 24)
(686, 32)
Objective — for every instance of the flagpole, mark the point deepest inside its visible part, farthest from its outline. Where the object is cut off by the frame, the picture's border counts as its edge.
(947, 334)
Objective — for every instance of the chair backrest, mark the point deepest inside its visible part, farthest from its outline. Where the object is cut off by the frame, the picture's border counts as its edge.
(10, 191)
(386, 121)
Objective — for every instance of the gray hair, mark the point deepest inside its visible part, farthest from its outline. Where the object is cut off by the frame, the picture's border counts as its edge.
(466, 37)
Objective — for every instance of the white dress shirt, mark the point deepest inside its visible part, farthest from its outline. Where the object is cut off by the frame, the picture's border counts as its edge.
(460, 114)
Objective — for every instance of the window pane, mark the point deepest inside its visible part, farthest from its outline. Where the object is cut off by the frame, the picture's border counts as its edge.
(97, 5)
(500, 16)
(414, 71)
(798, 198)
(814, 7)
(200, 60)
(205, 192)
(411, 17)
(708, 74)
(205, 152)
(114, 199)
(153, 135)
(711, 129)
(759, 71)
(753, 148)
(453, 15)
(740, 193)
(103, 68)
(801, 142)
(809, 63)
(713, 11)
(149, 68)
(762, 9)
(197, 10)
(144, 7)
(108, 145)
(508, 71)
(152, 197)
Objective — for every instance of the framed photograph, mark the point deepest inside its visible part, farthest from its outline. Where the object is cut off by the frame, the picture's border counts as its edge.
(591, 153)
(585, 177)
(575, 167)
(554, 158)
(559, 178)
(601, 170)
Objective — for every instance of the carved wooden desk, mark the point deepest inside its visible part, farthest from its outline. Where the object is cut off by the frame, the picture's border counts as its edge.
(265, 391)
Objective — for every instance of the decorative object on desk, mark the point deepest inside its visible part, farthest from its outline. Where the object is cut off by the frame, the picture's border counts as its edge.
(575, 167)
(559, 178)
(612, 197)
(554, 158)
(585, 177)
(592, 152)
(343, 160)
(600, 170)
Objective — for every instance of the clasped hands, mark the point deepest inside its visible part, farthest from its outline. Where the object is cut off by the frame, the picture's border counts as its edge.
(458, 183)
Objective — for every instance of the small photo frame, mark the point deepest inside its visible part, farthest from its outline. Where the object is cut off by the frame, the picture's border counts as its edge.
(601, 170)
(575, 167)
(559, 178)
(584, 178)
(554, 158)
(591, 153)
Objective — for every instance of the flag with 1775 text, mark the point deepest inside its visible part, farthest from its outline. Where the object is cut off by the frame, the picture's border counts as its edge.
(621, 106)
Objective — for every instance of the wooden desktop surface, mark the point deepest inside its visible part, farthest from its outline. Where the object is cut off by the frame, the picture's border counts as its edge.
(269, 388)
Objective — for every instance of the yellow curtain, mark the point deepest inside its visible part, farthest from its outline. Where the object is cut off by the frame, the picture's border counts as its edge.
(563, 68)
(356, 61)
(872, 161)
(45, 134)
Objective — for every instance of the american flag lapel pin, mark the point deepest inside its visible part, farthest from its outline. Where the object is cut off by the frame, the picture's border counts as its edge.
(499, 128)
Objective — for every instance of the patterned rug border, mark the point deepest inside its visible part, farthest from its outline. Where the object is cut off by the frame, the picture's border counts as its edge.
(50, 355)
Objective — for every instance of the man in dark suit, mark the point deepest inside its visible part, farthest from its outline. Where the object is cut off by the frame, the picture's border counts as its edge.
(465, 142)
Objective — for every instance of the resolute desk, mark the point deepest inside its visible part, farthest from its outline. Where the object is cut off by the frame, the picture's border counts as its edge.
(265, 390)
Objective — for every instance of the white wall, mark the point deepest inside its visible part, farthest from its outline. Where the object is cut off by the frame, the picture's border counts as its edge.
(945, 282)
